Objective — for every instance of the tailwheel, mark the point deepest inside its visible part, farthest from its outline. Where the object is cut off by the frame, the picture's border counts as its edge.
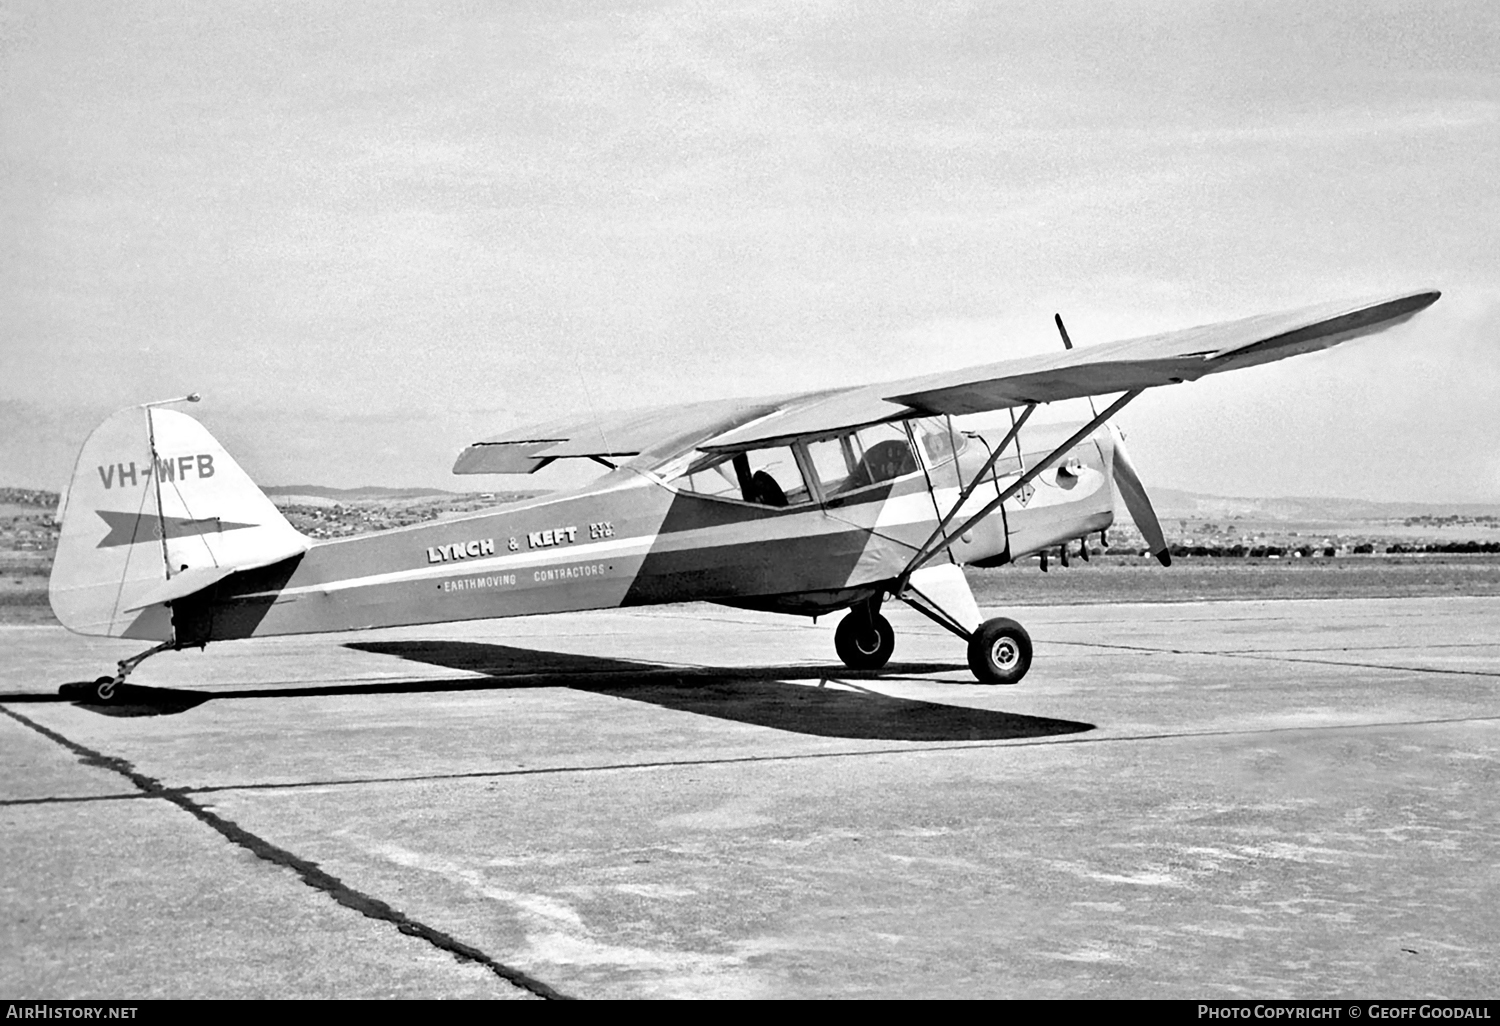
(100, 692)
(106, 689)
(1000, 652)
(864, 640)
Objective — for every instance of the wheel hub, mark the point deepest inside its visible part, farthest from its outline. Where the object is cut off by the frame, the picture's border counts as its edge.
(1005, 653)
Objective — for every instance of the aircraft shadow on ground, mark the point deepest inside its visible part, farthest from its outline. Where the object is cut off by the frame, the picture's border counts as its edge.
(758, 695)
(130, 699)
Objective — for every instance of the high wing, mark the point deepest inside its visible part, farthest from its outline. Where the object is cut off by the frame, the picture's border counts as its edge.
(615, 436)
(1129, 365)
(1133, 364)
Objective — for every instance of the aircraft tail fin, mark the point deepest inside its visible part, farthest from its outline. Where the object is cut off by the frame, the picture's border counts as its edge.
(156, 510)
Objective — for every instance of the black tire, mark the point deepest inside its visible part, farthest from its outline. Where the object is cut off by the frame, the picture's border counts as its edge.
(104, 690)
(858, 647)
(1000, 652)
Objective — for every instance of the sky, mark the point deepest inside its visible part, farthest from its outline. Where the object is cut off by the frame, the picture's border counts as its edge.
(371, 233)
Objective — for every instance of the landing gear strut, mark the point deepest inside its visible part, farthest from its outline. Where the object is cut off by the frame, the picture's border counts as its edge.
(102, 690)
(999, 649)
(864, 639)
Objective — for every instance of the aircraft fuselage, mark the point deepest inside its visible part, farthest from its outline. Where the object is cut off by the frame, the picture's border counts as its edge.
(630, 539)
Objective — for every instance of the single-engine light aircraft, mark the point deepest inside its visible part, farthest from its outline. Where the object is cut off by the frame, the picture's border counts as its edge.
(803, 504)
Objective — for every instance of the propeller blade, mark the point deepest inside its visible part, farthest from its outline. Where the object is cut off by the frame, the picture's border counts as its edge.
(1068, 344)
(1128, 482)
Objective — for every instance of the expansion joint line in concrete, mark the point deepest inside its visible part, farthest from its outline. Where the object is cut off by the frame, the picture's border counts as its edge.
(1278, 657)
(309, 872)
(866, 753)
(74, 799)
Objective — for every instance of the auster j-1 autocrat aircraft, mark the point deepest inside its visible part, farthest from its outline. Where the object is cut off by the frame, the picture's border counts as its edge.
(804, 504)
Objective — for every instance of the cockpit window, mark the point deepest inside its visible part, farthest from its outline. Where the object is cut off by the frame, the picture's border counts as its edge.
(884, 453)
(766, 477)
(861, 458)
(939, 440)
(842, 463)
(833, 460)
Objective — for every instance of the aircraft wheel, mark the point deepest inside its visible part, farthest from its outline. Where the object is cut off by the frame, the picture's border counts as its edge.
(858, 646)
(1000, 652)
(104, 690)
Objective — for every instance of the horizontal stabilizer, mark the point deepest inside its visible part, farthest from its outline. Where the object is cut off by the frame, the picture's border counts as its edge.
(187, 582)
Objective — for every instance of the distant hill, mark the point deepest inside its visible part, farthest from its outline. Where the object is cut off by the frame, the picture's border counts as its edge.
(368, 492)
(28, 497)
(1172, 504)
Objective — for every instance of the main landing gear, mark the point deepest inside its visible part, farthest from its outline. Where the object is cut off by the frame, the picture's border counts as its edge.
(999, 650)
(104, 690)
(864, 639)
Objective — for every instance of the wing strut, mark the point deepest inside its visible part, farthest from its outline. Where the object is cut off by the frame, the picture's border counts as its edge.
(922, 553)
(934, 545)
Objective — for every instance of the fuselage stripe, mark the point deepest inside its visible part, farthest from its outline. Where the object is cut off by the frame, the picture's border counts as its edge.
(573, 553)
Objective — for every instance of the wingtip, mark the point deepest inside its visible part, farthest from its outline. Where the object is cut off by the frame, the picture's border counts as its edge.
(1411, 304)
(1407, 303)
